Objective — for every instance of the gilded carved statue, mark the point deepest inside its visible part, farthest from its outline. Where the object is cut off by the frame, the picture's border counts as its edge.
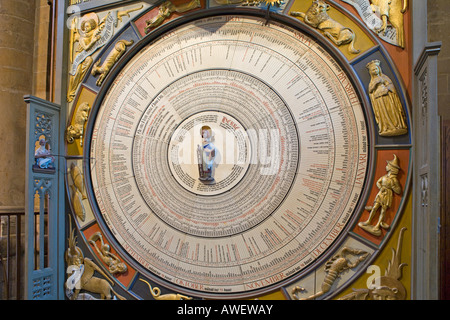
(334, 267)
(76, 129)
(78, 191)
(317, 17)
(115, 265)
(77, 178)
(387, 287)
(81, 275)
(119, 49)
(82, 40)
(166, 9)
(386, 105)
(87, 35)
(391, 11)
(387, 185)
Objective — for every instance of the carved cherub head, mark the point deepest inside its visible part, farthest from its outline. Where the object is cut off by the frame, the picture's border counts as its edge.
(88, 23)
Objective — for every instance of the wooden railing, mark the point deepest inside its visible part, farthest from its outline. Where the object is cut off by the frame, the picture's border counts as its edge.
(11, 254)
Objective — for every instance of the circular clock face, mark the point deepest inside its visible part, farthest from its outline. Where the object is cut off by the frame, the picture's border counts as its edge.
(229, 155)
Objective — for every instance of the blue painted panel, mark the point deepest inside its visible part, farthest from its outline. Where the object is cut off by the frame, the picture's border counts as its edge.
(42, 220)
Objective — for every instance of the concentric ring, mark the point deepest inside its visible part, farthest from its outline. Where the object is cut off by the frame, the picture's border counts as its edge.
(295, 122)
(245, 182)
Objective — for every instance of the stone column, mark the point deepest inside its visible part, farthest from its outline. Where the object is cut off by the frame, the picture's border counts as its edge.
(17, 19)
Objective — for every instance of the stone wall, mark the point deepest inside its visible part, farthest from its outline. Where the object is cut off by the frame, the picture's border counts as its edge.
(23, 67)
(438, 30)
(17, 20)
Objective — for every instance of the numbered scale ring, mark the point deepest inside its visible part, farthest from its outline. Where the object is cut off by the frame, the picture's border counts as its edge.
(228, 155)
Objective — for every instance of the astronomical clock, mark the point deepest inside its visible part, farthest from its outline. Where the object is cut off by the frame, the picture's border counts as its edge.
(238, 150)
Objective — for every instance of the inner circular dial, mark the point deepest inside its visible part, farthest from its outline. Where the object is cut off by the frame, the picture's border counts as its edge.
(203, 178)
(229, 155)
(209, 153)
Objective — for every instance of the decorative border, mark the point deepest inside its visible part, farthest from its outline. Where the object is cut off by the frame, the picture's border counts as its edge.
(355, 67)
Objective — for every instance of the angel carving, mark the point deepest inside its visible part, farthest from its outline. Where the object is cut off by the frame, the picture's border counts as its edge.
(87, 35)
(391, 11)
(84, 34)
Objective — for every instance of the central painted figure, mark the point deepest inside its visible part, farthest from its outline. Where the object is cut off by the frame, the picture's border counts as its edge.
(206, 155)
